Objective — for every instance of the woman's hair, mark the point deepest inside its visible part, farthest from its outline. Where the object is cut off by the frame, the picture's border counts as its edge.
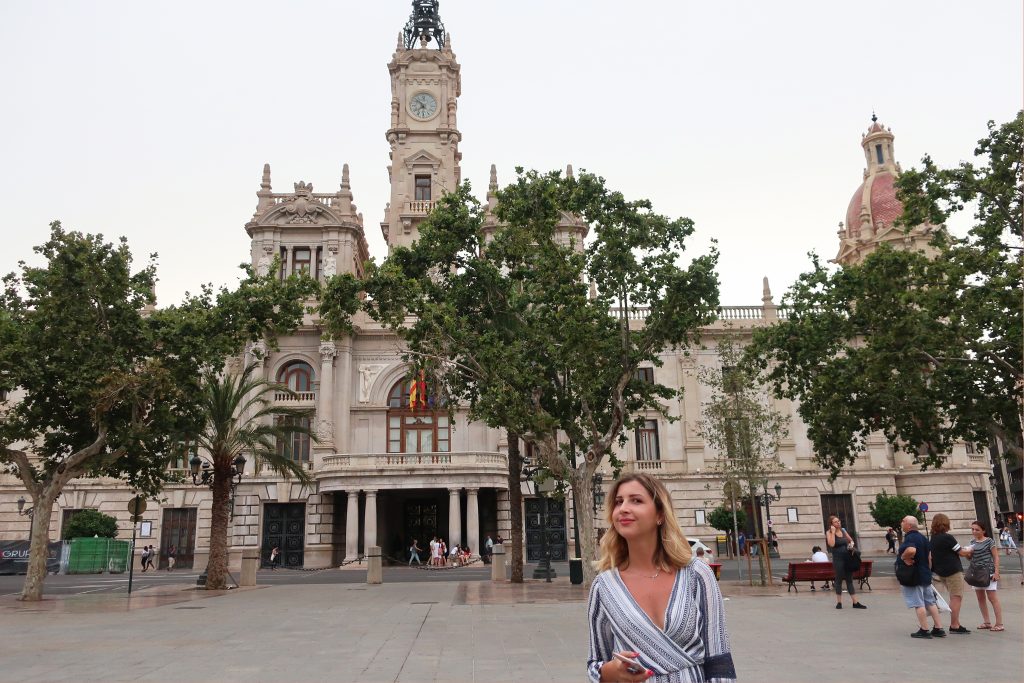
(940, 524)
(673, 551)
(982, 526)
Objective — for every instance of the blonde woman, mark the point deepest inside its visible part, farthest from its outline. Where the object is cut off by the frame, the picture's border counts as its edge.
(655, 613)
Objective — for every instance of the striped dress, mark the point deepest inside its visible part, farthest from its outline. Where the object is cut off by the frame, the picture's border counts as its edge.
(694, 646)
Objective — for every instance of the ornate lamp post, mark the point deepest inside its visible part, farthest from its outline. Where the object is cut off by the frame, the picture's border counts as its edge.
(202, 474)
(766, 499)
(21, 507)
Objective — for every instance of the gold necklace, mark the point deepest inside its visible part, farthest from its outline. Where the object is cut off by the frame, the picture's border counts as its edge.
(652, 576)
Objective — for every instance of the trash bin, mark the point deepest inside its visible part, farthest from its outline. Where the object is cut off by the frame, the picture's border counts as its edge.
(720, 541)
(575, 571)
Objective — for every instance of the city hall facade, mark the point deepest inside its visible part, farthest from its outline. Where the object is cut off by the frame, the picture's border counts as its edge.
(384, 473)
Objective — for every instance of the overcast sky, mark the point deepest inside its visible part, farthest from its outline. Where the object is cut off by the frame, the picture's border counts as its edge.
(153, 120)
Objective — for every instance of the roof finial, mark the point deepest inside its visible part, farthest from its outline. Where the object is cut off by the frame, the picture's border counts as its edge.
(494, 178)
(344, 177)
(874, 119)
(424, 25)
(568, 171)
(265, 182)
(766, 292)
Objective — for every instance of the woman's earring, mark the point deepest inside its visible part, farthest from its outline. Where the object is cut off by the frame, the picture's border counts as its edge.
(659, 522)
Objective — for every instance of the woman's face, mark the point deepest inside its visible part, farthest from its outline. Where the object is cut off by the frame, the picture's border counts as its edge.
(836, 523)
(977, 531)
(634, 513)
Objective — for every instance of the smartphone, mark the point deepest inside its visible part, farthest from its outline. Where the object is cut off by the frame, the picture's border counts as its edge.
(632, 666)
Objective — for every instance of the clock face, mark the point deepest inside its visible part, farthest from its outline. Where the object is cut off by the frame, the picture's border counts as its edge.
(423, 105)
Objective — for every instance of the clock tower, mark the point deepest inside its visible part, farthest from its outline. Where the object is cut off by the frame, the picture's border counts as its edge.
(424, 135)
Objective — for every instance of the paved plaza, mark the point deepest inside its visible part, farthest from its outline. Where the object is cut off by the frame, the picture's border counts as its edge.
(460, 631)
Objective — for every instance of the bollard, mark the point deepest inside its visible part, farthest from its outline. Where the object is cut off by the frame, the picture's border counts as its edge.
(250, 560)
(498, 563)
(374, 570)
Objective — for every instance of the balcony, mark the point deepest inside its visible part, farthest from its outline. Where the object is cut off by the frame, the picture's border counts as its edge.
(413, 470)
(419, 207)
(655, 466)
(299, 399)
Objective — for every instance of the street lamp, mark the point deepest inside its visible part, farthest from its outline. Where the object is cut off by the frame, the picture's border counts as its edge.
(766, 499)
(544, 568)
(21, 507)
(202, 474)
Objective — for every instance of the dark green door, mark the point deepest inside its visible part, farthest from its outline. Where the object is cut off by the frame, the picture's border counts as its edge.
(283, 526)
(553, 526)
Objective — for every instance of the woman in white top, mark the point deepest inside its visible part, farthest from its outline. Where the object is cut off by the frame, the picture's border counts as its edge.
(652, 604)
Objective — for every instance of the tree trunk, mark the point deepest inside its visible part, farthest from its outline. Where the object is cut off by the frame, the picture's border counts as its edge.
(583, 496)
(515, 506)
(217, 568)
(42, 508)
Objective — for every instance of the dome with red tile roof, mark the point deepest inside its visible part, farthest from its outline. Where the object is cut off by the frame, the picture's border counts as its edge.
(874, 203)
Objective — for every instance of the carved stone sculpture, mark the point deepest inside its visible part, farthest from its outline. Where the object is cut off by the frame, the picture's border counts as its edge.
(367, 375)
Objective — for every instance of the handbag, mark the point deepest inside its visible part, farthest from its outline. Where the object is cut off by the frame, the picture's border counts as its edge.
(853, 561)
(978, 575)
(906, 574)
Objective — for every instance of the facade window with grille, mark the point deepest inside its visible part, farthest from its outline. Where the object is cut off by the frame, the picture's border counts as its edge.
(423, 188)
(647, 441)
(415, 430)
(294, 446)
(645, 375)
(301, 260)
(297, 376)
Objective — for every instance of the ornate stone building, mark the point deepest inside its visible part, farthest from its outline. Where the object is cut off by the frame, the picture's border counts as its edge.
(384, 473)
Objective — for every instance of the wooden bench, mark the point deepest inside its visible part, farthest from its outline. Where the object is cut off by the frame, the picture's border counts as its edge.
(823, 571)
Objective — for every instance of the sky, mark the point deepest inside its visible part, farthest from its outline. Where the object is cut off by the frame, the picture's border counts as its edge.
(153, 120)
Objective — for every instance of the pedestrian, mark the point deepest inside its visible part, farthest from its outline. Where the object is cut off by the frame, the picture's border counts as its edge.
(442, 553)
(947, 570)
(920, 597)
(742, 543)
(983, 555)
(818, 555)
(774, 538)
(172, 551)
(839, 540)
(488, 550)
(653, 610)
(1006, 541)
(454, 555)
(414, 553)
(890, 539)
(433, 551)
(151, 561)
(144, 559)
(275, 555)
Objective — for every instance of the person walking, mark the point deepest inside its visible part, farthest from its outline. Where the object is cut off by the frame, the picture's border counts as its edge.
(488, 550)
(172, 552)
(414, 553)
(839, 540)
(890, 539)
(1006, 541)
(742, 544)
(275, 555)
(947, 570)
(982, 553)
(144, 558)
(655, 612)
(920, 597)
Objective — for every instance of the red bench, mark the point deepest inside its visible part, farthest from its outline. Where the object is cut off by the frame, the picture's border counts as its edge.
(716, 567)
(823, 571)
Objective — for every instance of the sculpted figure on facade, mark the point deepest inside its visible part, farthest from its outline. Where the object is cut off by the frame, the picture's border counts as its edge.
(263, 266)
(367, 376)
(331, 264)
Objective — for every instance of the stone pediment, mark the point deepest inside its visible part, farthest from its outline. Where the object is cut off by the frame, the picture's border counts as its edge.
(422, 158)
(301, 208)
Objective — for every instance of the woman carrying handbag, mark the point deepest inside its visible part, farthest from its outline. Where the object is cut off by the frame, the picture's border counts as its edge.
(984, 563)
(842, 545)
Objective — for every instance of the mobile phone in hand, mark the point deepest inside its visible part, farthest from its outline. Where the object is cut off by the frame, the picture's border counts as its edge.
(632, 666)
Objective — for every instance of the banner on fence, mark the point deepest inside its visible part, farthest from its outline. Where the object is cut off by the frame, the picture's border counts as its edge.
(14, 557)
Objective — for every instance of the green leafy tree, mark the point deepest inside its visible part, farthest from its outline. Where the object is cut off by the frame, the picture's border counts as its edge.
(105, 384)
(89, 523)
(889, 511)
(740, 424)
(925, 349)
(725, 519)
(239, 416)
(504, 321)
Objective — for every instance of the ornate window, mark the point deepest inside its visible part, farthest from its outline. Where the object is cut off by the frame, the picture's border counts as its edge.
(297, 376)
(423, 188)
(294, 446)
(647, 441)
(301, 260)
(415, 430)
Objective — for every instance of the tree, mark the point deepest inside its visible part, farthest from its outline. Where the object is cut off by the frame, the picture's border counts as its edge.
(725, 518)
(89, 523)
(506, 324)
(239, 417)
(925, 350)
(889, 511)
(738, 422)
(106, 384)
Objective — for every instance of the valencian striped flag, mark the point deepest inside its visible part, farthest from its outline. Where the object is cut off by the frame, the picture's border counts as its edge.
(418, 392)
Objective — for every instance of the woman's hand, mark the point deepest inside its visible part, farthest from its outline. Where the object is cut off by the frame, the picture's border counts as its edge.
(614, 671)
(995, 576)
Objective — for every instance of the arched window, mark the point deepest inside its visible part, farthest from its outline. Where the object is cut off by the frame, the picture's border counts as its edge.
(416, 429)
(297, 376)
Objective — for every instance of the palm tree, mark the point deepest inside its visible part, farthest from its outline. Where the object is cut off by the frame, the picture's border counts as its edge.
(235, 411)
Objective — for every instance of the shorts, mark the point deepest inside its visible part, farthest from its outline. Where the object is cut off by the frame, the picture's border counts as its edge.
(990, 587)
(918, 596)
(954, 583)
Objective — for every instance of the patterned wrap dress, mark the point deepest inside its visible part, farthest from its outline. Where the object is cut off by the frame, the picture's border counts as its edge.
(693, 648)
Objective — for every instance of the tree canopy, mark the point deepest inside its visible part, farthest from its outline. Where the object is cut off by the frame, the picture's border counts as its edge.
(925, 349)
(889, 511)
(89, 523)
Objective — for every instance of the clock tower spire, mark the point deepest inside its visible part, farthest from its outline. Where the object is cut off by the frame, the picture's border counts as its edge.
(424, 137)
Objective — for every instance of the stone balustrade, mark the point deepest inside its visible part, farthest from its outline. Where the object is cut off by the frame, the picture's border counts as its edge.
(419, 207)
(296, 397)
(655, 466)
(474, 460)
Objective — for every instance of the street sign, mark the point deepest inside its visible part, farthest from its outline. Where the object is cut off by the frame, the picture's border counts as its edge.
(137, 505)
(923, 507)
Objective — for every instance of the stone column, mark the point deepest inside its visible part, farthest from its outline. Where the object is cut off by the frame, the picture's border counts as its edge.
(370, 530)
(352, 526)
(472, 521)
(325, 398)
(454, 518)
(343, 384)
